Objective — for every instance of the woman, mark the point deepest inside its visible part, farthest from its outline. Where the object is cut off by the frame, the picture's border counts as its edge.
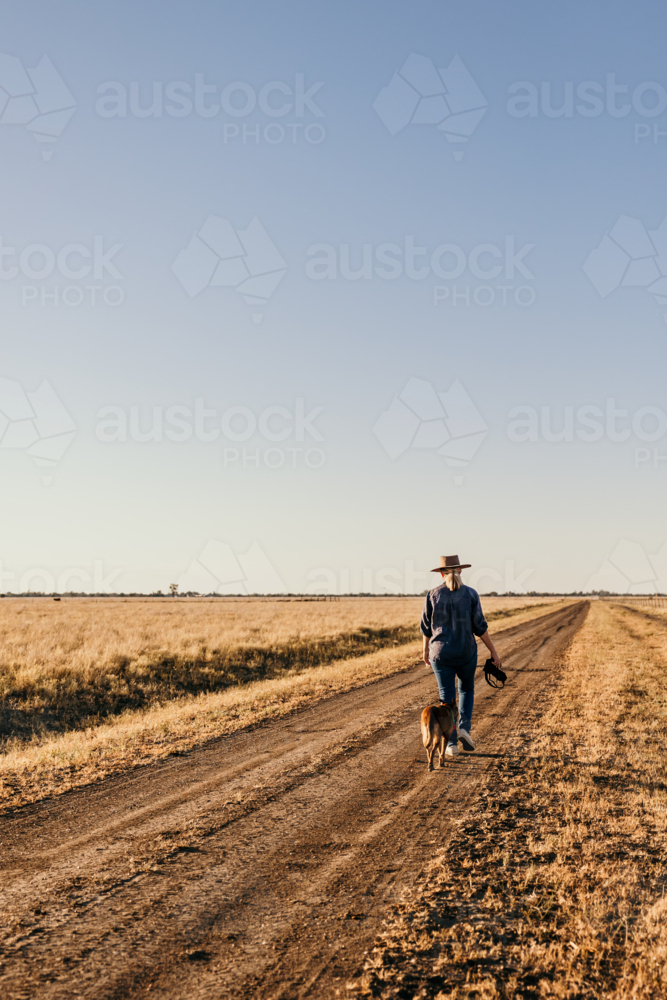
(451, 619)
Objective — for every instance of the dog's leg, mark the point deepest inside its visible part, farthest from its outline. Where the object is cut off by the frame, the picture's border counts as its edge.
(441, 751)
(427, 737)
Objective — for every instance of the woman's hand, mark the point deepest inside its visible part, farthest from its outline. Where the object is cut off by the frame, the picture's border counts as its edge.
(486, 639)
(425, 653)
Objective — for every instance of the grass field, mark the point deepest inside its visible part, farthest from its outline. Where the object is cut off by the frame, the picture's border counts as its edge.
(93, 687)
(554, 884)
(74, 663)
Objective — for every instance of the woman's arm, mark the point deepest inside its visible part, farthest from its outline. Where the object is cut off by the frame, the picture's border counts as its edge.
(486, 639)
(426, 629)
(481, 629)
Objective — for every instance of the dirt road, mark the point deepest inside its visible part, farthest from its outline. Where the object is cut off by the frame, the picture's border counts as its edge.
(261, 865)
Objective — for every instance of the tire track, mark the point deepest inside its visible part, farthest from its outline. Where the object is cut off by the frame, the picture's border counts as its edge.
(261, 864)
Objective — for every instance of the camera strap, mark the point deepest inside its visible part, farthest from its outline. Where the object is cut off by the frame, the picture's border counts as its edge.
(493, 676)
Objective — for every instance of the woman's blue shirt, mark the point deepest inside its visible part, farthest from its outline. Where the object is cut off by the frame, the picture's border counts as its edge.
(451, 619)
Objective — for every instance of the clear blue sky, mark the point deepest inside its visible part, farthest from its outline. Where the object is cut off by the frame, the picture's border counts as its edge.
(286, 132)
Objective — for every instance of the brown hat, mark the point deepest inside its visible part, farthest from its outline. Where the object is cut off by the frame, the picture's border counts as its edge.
(450, 562)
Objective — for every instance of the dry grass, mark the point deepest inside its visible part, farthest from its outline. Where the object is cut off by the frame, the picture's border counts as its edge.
(48, 764)
(658, 608)
(73, 663)
(554, 885)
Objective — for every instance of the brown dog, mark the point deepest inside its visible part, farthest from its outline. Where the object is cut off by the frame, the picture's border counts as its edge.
(437, 724)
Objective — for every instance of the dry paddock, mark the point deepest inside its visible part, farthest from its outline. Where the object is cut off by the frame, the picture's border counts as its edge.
(262, 862)
(92, 687)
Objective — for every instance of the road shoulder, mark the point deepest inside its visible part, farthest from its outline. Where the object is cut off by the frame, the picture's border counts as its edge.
(556, 877)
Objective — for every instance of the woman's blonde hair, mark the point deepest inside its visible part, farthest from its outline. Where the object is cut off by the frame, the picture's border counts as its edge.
(452, 579)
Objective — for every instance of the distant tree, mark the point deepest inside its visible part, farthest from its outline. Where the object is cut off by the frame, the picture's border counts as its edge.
(173, 589)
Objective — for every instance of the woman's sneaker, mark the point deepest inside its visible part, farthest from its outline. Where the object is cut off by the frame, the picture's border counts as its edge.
(466, 739)
(451, 750)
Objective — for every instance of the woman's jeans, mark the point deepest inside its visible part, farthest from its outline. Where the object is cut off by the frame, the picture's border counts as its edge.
(446, 675)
